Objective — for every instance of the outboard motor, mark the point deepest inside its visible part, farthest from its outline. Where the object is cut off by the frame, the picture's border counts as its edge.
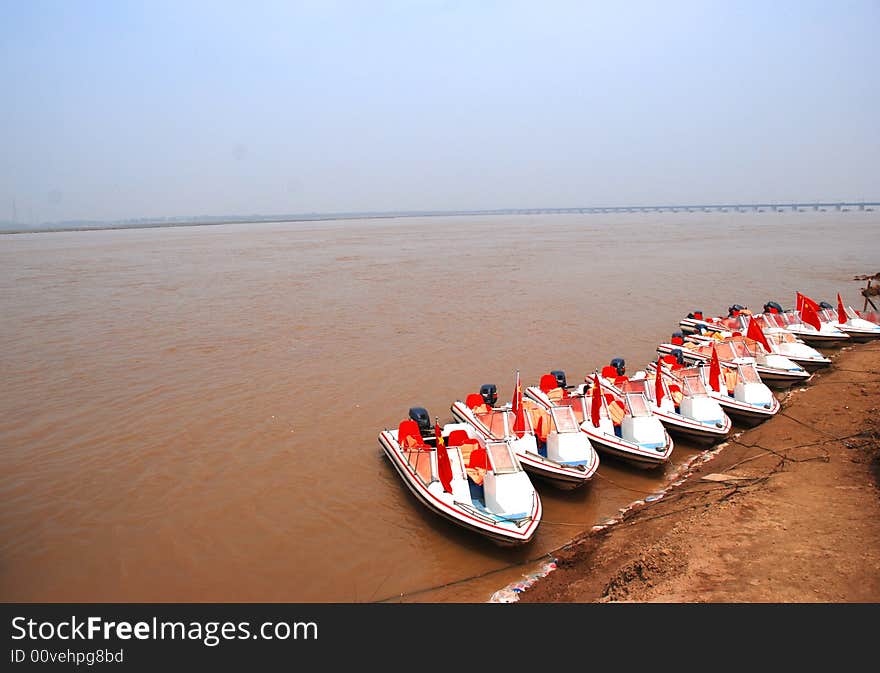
(679, 355)
(560, 377)
(825, 304)
(489, 393)
(620, 365)
(677, 339)
(695, 315)
(773, 307)
(734, 310)
(420, 416)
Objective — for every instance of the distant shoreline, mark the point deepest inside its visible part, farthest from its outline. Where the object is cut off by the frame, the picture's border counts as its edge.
(789, 207)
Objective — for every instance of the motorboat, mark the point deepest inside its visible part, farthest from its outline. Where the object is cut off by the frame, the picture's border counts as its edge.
(621, 425)
(696, 322)
(685, 408)
(811, 330)
(805, 324)
(782, 342)
(779, 339)
(474, 482)
(737, 388)
(557, 452)
(846, 319)
(774, 369)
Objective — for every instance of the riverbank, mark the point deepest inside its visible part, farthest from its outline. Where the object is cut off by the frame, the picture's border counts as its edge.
(788, 511)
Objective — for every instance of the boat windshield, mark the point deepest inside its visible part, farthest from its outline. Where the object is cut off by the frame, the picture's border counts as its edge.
(694, 387)
(564, 420)
(777, 319)
(637, 404)
(501, 458)
(781, 337)
(681, 374)
(422, 463)
(828, 315)
(749, 374)
(637, 386)
(495, 422)
(739, 347)
(724, 349)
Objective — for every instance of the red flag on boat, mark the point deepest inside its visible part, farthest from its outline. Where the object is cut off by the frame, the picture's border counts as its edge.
(755, 332)
(842, 317)
(715, 372)
(519, 414)
(658, 383)
(596, 402)
(803, 301)
(809, 316)
(444, 467)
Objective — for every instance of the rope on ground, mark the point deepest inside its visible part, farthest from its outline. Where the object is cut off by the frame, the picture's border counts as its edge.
(805, 424)
(849, 383)
(462, 580)
(627, 488)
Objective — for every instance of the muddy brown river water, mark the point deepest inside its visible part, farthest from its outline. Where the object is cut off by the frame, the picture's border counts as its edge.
(191, 414)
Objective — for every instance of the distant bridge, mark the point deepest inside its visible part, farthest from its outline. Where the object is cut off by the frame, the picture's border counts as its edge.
(794, 206)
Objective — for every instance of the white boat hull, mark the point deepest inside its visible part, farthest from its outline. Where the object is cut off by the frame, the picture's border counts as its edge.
(628, 451)
(679, 425)
(560, 475)
(502, 533)
(778, 378)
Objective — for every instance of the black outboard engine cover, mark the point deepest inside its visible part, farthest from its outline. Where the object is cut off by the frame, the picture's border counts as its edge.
(695, 315)
(560, 377)
(733, 310)
(772, 305)
(825, 304)
(420, 416)
(620, 365)
(489, 393)
(679, 355)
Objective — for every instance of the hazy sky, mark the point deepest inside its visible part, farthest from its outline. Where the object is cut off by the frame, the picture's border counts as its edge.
(145, 109)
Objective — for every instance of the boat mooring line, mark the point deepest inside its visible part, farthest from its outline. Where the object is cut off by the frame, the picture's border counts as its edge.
(546, 555)
(627, 488)
(806, 425)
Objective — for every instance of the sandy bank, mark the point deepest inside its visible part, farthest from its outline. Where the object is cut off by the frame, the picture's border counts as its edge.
(789, 511)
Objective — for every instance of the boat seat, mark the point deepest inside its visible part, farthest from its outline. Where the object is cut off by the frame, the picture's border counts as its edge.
(609, 372)
(730, 377)
(409, 437)
(548, 383)
(474, 400)
(466, 448)
(540, 421)
(673, 362)
(457, 438)
(556, 394)
(477, 463)
(616, 410)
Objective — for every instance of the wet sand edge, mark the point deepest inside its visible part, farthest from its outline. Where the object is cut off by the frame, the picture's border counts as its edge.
(790, 512)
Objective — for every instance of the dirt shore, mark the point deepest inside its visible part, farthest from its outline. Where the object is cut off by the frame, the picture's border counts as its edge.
(788, 511)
